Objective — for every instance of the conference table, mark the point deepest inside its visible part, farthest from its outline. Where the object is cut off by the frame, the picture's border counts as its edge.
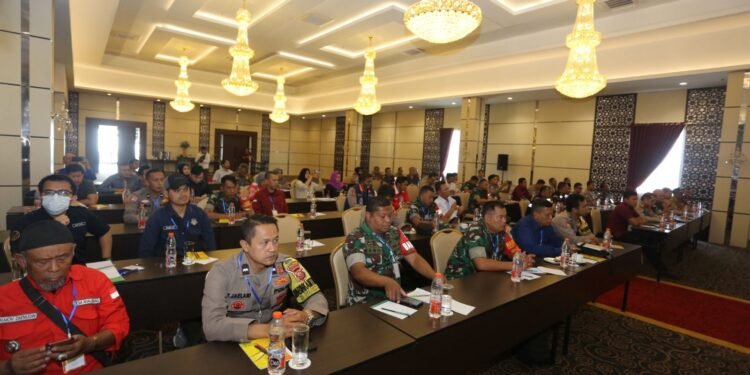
(671, 238)
(359, 338)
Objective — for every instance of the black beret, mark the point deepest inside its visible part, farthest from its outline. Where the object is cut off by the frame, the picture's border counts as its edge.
(44, 233)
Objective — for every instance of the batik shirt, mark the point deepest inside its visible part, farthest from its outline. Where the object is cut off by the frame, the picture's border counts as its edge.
(479, 242)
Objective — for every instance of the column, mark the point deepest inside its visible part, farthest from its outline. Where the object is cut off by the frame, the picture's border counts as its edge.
(353, 143)
(471, 137)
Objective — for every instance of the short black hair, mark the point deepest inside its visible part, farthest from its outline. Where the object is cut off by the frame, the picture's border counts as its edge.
(56, 178)
(540, 181)
(473, 178)
(425, 189)
(248, 227)
(491, 206)
(647, 196)
(196, 170)
(540, 204)
(123, 164)
(492, 176)
(432, 174)
(386, 190)
(573, 201)
(76, 159)
(228, 177)
(376, 203)
(629, 193)
(521, 180)
(577, 184)
(224, 160)
(73, 168)
(400, 180)
(439, 185)
(143, 169)
(365, 175)
(154, 170)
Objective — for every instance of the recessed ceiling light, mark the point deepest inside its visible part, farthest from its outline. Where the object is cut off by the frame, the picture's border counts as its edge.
(201, 105)
(683, 83)
(303, 117)
(510, 98)
(411, 107)
(158, 100)
(453, 103)
(323, 116)
(239, 109)
(109, 94)
(306, 59)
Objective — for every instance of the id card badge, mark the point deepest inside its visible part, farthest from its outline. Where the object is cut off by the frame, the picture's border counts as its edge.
(73, 364)
(274, 212)
(396, 271)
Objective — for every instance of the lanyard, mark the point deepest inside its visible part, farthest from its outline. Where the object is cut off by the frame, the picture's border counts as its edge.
(495, 239)
(257, 298)
(541, 236)
(389, 250)
(69, 318)
(187, 222)
(270, 197)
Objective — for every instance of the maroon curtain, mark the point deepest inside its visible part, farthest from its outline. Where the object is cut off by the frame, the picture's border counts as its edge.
(445, 144)
(649, 144)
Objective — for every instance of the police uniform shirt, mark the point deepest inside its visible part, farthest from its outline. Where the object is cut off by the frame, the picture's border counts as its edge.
(82, 221)
(229, 304)
(133, 205)
(195, 226)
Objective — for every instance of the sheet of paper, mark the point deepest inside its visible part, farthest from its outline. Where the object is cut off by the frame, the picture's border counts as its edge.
(456, 306)
(208, 260)
(133, 267)
(552, 271)
(319, 214)
(593, 247)
(325, 199)
(316, 243)
(394, 309)
(107, 268)
(529, 274)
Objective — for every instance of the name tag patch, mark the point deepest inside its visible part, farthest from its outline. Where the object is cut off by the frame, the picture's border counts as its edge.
(89, 301)
(169, 227)
(78, 225)
(17, 318)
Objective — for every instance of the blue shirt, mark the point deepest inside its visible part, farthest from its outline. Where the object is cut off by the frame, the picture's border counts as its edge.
(535, 239)
(195, 226)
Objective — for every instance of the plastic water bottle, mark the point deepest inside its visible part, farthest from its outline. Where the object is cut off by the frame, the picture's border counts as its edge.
(607, 243)
(142, 217)
(231, 213)
(301, 237)
(171, 253)
(565, 254)
(515, 273)
(435, 222)
(276, 346)
(436, 295)
(360, 201)
(313, 208)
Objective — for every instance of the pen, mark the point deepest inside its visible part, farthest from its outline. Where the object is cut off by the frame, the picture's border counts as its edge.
(394, 311)
(262, 349)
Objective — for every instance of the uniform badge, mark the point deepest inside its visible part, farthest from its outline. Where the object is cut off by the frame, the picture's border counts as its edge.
(194, 222)
(12, 346)
(281, 281)
(238, 305)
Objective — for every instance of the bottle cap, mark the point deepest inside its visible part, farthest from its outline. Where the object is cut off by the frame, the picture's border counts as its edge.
(277, 314)
(438, 274)
(171, 234)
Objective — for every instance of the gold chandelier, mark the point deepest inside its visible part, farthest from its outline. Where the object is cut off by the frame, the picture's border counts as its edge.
(581, 77)
(181, 102)
(367, 103)
(240, 82)
(442, 21)
(279, 114)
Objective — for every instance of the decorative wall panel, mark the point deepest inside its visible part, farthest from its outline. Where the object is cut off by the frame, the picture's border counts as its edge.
(703, 119)
(157, 140)
(485, 136)
(609, 158)
(338, 151)
(364, 156)
(204, 127)
(265, 140)
(71, 135)
(433, 122)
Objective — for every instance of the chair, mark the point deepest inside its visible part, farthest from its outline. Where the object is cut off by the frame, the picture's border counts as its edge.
(400, 218)
(596, 221)
(202, 203)
(288, 227)
(340, 202)
(376, 184)
(524, 203)
(464, 199)
(504, 197)
(352, 218)
(340, 275)
(413, 191)
(442, 244)
(9, 257)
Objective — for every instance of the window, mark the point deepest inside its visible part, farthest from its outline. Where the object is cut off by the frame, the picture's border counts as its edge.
(452, 165)
(669, 172)
(108, 151)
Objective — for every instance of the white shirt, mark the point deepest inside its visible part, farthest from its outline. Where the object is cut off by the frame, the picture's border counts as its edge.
(444, 205)
(204, 164)
(300, 189)
(220, 173)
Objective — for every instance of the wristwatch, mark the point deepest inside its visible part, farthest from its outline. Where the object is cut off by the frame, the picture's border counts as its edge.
(310, 316)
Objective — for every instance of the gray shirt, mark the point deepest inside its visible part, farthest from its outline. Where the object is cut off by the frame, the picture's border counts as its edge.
(116, 181)
(229, 304)
(566, 226)
(85, 189)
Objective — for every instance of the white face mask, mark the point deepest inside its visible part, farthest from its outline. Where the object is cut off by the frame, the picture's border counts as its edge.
(55, 204)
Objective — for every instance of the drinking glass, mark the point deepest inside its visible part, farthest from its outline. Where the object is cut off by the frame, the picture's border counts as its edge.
(446, 301)
(300, 344)
(307, 246)
(189, 258)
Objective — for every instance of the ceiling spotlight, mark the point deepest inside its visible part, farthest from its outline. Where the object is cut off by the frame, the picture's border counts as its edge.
(411, 107)
(510, 98)
(453, 103)
(158, 100)
(109, 94)
(303, 117)
(201, 105)
(323, 116)
(683, 83)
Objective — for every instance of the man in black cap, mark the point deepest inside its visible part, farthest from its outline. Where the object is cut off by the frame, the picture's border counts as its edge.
(198, 183)
(185, 220)
(57, 192)
(34, 337)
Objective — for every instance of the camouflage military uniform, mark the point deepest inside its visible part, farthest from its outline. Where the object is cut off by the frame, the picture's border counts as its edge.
(378, 254)
(424, 213)
(478, 242)
(475, 194)
(220, 205)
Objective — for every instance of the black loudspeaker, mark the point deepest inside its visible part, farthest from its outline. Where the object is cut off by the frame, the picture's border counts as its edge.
(502, 162)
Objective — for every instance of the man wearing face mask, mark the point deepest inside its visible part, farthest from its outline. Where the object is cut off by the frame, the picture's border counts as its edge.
(57, 191)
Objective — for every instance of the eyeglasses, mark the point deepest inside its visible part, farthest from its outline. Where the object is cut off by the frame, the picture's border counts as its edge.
(62, 193)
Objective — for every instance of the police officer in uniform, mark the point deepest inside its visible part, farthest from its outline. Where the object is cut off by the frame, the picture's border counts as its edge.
(360, 193)
(31, 342)
(185, 220)
(242, 292)
(151, 196)
(57, 192)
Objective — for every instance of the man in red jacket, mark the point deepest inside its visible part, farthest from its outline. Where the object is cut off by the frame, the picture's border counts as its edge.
(270, 200)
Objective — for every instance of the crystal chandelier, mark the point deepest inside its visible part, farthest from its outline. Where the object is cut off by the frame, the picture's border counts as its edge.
(181, 102)
(442, 21)
(279, 114)
(581, 77)
(240, 82)
(367, 103)
(61, 119)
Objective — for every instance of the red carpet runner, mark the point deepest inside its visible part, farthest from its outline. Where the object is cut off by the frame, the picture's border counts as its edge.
(721, 318)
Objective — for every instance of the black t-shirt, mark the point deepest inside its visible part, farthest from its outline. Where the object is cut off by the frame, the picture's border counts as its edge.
(85, 188)
(82, 221)
(199, 189)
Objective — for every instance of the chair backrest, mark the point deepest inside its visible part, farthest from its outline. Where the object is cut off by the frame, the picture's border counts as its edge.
(8, 255)
(400, 218)
(413, 191)
(464, 199)
(340, 275)
(293, 190)
(288, 226)
(524, 203)
(442, 244)
(596, 221)
(376, 184)
(504, 197)
(352, 218)
(340, 202)
(202, 203)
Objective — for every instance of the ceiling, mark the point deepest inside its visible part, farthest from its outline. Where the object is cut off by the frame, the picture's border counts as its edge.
(318, 45)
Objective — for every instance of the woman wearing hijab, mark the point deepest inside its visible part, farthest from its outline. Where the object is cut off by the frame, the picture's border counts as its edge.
(334, 186)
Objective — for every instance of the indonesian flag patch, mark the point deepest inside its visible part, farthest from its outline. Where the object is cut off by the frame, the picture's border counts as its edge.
(405, 245)
(113, 293)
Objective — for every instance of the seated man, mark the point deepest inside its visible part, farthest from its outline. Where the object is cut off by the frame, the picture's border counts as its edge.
(123, 180)
(534, 234)
(151, 197)
(218, 205)
(447, 206)
(578, 188)
(486, 246)
(521, 191)
(224, 169)
(401, 194)
(95, 318)
(471, 184)
(185, 220)
(562, 192)
(85, 190)
(591, 195)
(373, 252)
(423, 211)
(57, 192)
(679, 199)
(360, 193)
(480, 196)
(493, 186)
(198, 184)
(451, 179)
(647, 209)
(270, 200)
(570, 223)
(658, 196)
(237, 304)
